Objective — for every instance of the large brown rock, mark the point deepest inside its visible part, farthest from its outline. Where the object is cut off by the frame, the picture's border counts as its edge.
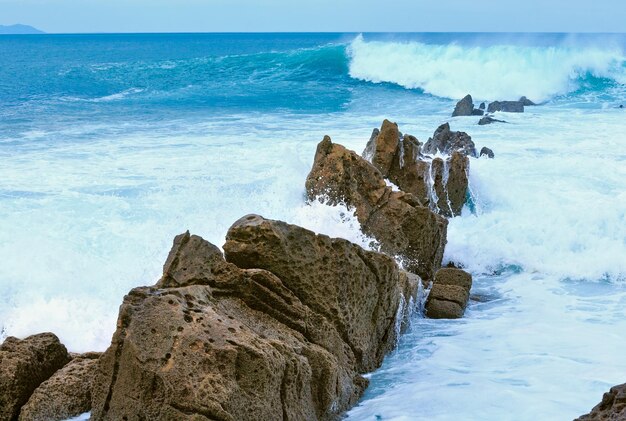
(449, 294)
(442, 185)
(24, 365)
(66, 394)
(612, 407)
(446, 141)
(397, 220)
(287, 337)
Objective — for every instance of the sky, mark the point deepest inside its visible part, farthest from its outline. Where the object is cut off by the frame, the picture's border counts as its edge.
(86, 16)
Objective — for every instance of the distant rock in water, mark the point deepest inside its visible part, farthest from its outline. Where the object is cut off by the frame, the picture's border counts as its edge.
(487, 152)
(397, 220)
(526, 102)
(24, 365)
(481, 106)
(449, 295)
(446, 141)
(612, 407)
(506, 106)
(283, 328)
(465, 107)
(19, 30)
(489, 120)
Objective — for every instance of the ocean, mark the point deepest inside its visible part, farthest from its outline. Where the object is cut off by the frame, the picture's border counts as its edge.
(110, 145)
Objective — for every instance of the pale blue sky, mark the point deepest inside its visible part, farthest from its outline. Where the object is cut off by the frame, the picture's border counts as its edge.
(317, 15)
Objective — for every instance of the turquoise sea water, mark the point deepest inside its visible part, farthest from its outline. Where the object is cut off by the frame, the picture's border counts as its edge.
(112, 144)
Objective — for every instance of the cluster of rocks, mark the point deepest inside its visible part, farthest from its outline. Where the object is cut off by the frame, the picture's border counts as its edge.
(465, 107)
(285, 322)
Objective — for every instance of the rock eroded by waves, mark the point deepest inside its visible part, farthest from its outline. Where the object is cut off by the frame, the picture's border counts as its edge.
(611, 408)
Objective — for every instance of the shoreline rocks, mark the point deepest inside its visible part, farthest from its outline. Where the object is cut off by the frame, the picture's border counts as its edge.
(611, 408)
(465, 107)
(287, 336)
(449, 294)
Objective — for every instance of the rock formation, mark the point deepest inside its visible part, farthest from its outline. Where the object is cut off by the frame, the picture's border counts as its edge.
(506, 106)
(66, 394)
(612, 407)
(526, 102)
(397, 220)
(487, 152)
(465, 107)
(281, 329)
(24, 365)
(446, 141)
(489, 120)
(449, 294)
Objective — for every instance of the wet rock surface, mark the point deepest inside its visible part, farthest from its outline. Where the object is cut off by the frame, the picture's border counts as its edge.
(612, 407)
(506, 106)
(446, 141)
(66, 394)
(282, 328)
(24, 365)
(465, 107)
(485, 151)
(397, 220)
(489, 120)
(449, 294)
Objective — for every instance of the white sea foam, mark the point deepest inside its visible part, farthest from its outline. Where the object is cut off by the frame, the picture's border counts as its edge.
(487, 72)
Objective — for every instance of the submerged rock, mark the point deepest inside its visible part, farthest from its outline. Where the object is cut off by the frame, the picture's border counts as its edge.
(286, 336)
(506, 106)
(24, 365)
(66, 394)
(612, 407)
(397, 220)
(486, 151)
(489, 120)
(449, 294)
(446, 141)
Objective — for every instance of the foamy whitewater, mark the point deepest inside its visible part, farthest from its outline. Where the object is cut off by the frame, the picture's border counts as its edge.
(111, 145)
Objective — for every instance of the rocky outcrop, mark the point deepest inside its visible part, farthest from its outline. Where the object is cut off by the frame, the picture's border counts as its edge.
(449, 294)
(66, 394)
(489, 120)
(446, 141)
(526, 102)
(24, 365)
(465, 107)
(440, 184)
(286, 336)
(485, 151)
(506, 106)
(397, 220)
(612, 407)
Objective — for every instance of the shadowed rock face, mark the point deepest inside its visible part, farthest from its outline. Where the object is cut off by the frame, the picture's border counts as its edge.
(446, 141)
(24, 365)
(612, 407)
(286, 336)
(397, 220)
(442, 185)
(65, 395)
(449, 295)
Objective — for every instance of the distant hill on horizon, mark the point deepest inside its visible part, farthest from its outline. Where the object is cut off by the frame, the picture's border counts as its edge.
(18, 29)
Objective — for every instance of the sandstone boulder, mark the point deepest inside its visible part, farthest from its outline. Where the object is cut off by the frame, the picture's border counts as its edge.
(449, 294)
(450, 184)
(66, 394)
(612, 407)
(286, 337)
(24, 365)
(446, 141)
(506, 106)
(397, 220)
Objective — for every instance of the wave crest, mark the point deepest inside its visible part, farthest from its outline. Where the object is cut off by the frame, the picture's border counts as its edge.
(491, 72)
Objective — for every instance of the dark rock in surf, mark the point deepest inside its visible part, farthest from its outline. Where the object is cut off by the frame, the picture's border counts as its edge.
(506, 106)
(612, 407)
(489, 120)
(464, 107)
(486, 152)
(478, 112)
(482, 106)
(526, 102)
(66, 394)
(288, 336)
(397, 220)
(449, 294)
(446, 141)
(24, 365)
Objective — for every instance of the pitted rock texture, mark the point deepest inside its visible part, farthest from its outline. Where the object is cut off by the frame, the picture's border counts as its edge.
(66, 394)
(286, 337)
(449, 294)
(446, 141)
(397, 220)
(612, 407)
(24, 365)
